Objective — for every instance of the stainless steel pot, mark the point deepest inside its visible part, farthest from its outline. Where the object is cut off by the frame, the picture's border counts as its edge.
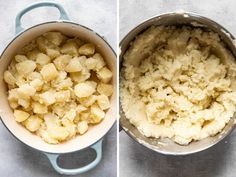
(165, 145)
(93, 138)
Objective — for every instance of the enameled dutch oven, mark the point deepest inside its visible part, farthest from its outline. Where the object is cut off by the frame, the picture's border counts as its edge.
(93, 138)
(165, 145)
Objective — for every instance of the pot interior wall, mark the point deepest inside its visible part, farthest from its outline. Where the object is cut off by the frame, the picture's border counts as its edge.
(94, 133)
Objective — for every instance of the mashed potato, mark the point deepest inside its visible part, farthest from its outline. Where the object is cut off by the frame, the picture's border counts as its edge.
(178, 83)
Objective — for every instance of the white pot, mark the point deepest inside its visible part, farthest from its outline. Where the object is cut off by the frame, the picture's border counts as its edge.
(93, 138)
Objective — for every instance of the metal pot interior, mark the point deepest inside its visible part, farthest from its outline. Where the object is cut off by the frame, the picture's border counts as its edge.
(94, 133)
(165, 145)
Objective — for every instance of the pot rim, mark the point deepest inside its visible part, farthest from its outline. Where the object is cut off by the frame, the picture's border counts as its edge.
(35, 26)
(121, 53)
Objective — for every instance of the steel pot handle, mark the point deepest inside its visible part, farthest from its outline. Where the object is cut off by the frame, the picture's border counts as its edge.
(63, 14)
(53, 159)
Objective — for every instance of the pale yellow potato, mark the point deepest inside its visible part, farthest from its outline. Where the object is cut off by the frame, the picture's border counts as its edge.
(20, 58)
(74, 65)
(42, 59)
(39, 108)
(80, 76)
(70, 115)
(33, 123)
(25, 67)
(62, 96)
(103, 102)
(100, 61)
(87, 49)
(20, 115)
(105, 89)
(37, 84)
(58, 133)
(91, 63)
(26, 91)
(62, 61)
(34, 75)
(84, 89)
(32, 55)
(9, 78)
(55, 37)
(104, 75)
(52, 53)
(82, 127)
(87, 101)
(48, 97)
(70, 48)
(49, 72)
(25, 103)
(97, 115)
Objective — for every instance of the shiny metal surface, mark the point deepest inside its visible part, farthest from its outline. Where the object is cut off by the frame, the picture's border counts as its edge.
(165, 145)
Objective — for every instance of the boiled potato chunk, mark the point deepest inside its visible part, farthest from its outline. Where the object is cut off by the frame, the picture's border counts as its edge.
(96, 115)
(103, 102)
(62, 96)
(100, 61)
(48, 97)
(70, 115)
(105, 89)
(104, 75)
(20, 116)
(49, 72)
(25, 103)
(33, 123)
(55, 37)
(26, 91)
(52, 53)
(9, 78)
(84, 89)
(42, 59)
(70, 48)
(82, 127)
(87, 49)
(37, 84)
(74, 65)
(20, 58)
(39, 108)
(25, 67)
(58, 133)
(62, 61)
(91, 63)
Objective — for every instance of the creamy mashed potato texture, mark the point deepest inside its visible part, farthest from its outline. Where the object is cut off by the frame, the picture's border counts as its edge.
(178, 82)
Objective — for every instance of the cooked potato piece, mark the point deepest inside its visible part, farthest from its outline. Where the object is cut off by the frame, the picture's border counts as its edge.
(55, 37)
(70, 115)
(58, 133)
(20, 116)
(48, 97)
(74, 65)
(70, 127)
(33, 123)
(25, 67)
(26, 91)
(62, 96)
(34, 75)
(82, 127)
(39, 108)
(103, 102)
(37, 84)
(20, 58)
(45, 136)
(25, 103)
(96, 115)
(70, 48)
(100, 61)
(91, 63)
(80, 76)
(105, 89)
(88, 101)
(32, 55)
(87, 49)
(9, 78)
(84, 89)
(52, 53)
(104, 75)
(49, 72)
(62, 61)
(42, 59)
(80, 108)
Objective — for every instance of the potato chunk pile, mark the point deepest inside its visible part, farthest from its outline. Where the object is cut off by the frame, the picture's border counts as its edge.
(58, 87)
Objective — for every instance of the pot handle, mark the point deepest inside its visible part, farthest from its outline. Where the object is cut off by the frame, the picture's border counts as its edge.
(53, 160)
(63, 14)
